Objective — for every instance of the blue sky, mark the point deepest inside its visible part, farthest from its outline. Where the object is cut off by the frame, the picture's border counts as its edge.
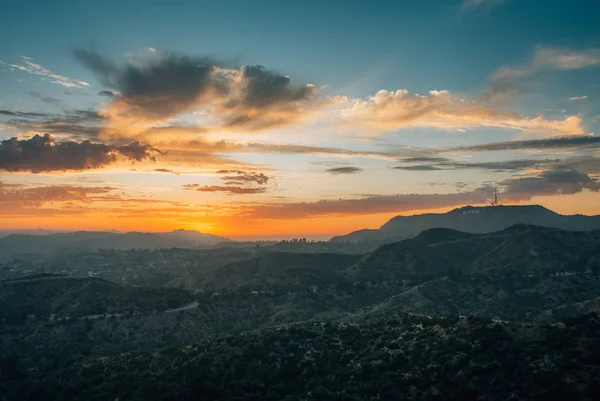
(349, 50)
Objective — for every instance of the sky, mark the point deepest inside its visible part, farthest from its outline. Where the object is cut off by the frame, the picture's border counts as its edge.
(267, 119)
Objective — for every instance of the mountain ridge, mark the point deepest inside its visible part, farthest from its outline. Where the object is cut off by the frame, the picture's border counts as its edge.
(471, 219)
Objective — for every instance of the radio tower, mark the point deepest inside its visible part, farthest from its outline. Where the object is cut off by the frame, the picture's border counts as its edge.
(495, 202)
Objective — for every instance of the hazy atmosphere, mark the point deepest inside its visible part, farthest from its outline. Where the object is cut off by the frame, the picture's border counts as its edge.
(268, 119)
(300, 200)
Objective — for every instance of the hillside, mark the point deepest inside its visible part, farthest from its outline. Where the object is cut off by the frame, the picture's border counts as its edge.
(414, 358)
(46, 296)
(471, 219)
(38, 247)
(519, 250)
(445, 315)
(279, 269)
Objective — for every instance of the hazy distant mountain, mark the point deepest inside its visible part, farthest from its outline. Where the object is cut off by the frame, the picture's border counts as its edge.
(33, 247)
(471, 219)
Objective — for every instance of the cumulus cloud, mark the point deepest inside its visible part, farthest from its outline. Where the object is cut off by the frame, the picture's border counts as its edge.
(550, 182)
(44, 154)
(232, 190)
(344, 170)
(394, 110)
(164, 85)
(573, 142)
(27, 65)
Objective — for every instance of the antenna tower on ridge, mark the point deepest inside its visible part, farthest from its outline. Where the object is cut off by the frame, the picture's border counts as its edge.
(495, 202)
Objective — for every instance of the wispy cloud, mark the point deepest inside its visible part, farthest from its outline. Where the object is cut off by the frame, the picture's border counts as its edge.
(506, 165)
(509, 81)
(49, 100)
(574, 142)
(228, 189)
(344, 170)
(470, 5)
(27, 65)
(578, 98)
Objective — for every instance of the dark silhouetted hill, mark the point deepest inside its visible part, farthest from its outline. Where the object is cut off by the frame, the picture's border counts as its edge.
(471, 219)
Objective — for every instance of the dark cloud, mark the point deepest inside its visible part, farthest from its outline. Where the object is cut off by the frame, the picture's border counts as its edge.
(24, 114)
(420, 167)
(232, 190)
(238, 177)
(107, 93)
(237, 182)
(165, 170)
(51, 101)
(159, 87)
(424, 159)
(550, 182)
(80, 124)
(550, 143)
(43, 153)
(586, 163)
(167, 84)
(268, 99)
(507, 165)
(344, 170)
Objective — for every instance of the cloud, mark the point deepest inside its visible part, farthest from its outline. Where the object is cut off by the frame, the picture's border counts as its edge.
(344, 170)
(27, 65)
(74, 123)
(516, 189)
(424, 159)
(164, 85)
(578, 98)
(16, 200)
(509, 81)
(261, 99)
(507, 165)
(395, 110)
(107, 93)
(166, 170)
(51, 101)
(232, 190)
(470, 5)
(579, 142)
(370, 205)
(238, 177)
(237, 182)
(550, 182)
(44, 154)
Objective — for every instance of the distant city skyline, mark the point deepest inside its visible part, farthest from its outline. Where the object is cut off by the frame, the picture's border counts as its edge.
(274, 119)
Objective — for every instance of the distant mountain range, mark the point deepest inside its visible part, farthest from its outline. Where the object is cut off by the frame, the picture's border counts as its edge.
(471, 219)
(35, 247)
